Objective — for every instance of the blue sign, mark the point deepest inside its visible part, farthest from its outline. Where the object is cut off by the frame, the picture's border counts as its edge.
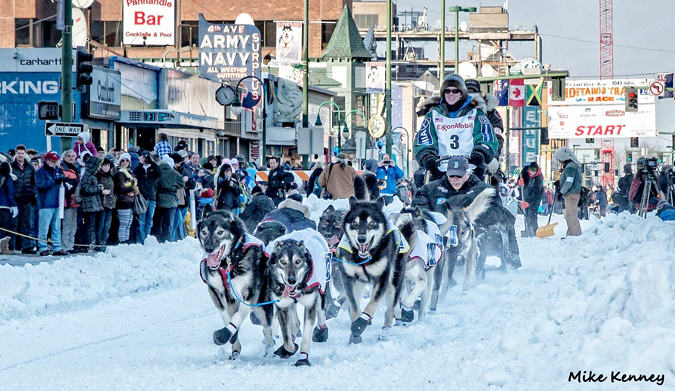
(229, 53)
(530, 137)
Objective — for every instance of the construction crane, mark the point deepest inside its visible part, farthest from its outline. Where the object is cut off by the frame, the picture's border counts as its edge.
(607, 72)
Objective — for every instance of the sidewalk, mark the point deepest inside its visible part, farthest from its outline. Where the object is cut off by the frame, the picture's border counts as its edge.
(19, 259)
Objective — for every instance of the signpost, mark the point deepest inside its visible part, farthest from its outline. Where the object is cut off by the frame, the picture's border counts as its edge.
(65, 129)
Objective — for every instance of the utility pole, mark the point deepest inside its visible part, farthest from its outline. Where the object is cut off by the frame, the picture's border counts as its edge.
(387, 88)
(67, 71)
(305, 76)
(441, 64)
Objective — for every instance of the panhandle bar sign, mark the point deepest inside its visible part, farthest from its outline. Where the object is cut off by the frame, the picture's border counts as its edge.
(229, 53)
(149, 22)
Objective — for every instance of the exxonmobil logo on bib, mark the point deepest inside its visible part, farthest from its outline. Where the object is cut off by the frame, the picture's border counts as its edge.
(453, 126)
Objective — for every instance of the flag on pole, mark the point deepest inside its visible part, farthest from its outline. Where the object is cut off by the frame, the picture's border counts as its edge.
(667, 79)
(502, 92)
(534, 94)
(517, 93)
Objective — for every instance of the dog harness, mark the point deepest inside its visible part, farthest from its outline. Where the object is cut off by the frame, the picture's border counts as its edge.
(319, 252)
(427, 249)
(403, 246)
(249, 240)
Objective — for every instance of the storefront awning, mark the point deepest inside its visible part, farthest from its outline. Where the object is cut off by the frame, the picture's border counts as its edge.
(167, 119)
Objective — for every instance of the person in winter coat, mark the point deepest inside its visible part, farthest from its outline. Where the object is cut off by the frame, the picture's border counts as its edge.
(135, 157)
(533, 188)
(313, 181)
(292, 214)
(228, 192)
(665, 211)
(256, 210)
(338, 179)
(108, 201)
(146, 174)
(168, 184)
(24, 195)
(162, 147)
(82, 144)
(601, 200)
(126, 187)
(278, 181)
(454, 126)
(460, 187)
(8, 207)
(570, 188)
(491, 103)
(388, 174)
(48, 180)
(179, 231)
(365, 185)
(90, 190)
(620, 196)
(71, 170)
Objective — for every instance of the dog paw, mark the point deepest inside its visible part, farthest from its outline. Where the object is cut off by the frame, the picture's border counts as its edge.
(332, 310)
(355, 339)
(234, 355)
(224, 335)
(303, 362)
(283, 353)
(407, 315)
(359, 325)
(417, 305)
(320, 334)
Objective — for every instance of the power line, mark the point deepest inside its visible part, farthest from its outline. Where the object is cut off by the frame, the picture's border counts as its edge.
(597, 43)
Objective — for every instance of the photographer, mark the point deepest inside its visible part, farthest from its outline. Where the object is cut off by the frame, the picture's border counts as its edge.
(620, 197)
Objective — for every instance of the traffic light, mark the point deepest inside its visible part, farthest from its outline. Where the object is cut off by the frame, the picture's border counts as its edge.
(631, 100)
(634, 142)
(543, 140)
(84, 68)
(629, 157)
(48, 110)
(660, 156)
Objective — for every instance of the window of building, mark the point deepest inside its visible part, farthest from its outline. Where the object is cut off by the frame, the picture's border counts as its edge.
(366, 21)
(327, 29)
(268, 32)
(22, 32)
(106, 33)
(50, 34)
(189, 34)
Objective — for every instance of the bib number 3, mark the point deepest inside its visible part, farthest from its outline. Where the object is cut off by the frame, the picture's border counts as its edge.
(454, 142)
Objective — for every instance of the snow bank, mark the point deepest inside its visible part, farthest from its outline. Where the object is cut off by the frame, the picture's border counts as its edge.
(76, 282)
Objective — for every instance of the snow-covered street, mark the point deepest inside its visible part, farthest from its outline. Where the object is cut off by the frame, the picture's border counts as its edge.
(140, 318)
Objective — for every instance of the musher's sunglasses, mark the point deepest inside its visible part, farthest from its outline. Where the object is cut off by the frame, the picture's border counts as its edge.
(455, 176)
(452, 91)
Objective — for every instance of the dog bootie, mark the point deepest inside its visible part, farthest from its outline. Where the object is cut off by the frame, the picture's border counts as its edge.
(515, 261)
(354, 339)
(360, 324)
(333, 310)
(320, 334)
(407, 314)
(304, 361)
(417, 305)
(283, 353)
(227, 334)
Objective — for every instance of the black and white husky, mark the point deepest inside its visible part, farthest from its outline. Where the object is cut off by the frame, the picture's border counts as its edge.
(426, 252)
(233, 269)
(331, 228)
(368, 254)
(299, 270)
(460, 238)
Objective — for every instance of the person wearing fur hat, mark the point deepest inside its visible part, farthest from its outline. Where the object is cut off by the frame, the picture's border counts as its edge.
(570, 188)
(491, 102)
(453, 126)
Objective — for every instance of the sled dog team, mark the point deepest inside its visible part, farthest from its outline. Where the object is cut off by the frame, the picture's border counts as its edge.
(400, 258)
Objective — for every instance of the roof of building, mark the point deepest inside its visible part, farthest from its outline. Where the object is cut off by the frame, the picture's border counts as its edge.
(346, 41)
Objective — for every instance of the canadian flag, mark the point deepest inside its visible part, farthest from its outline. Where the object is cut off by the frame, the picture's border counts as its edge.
(517, 93)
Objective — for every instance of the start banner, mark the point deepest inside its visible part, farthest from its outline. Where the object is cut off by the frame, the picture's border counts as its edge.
(608, 121)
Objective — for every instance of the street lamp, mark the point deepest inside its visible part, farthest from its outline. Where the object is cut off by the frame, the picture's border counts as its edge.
(237, 109)
(407, 150)
(457, 9)
(345, 130)
(320, 125)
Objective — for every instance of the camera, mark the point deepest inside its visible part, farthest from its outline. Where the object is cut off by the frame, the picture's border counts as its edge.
(650, 165)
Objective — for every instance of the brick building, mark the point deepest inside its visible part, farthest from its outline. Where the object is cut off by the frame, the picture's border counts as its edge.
(25, 23)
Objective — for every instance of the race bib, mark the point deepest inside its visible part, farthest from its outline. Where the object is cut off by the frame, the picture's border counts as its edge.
(455, 135)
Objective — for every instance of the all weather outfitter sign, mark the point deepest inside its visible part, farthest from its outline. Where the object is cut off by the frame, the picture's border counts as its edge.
(149, 22)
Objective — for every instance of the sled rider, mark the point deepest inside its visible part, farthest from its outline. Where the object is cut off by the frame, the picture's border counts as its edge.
(453, 125)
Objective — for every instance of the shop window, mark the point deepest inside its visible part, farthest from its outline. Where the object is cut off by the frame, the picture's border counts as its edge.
(189, 35)
(113, 34)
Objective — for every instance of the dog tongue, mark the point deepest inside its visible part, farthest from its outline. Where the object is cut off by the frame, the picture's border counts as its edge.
(332, 241)
(212, 260)
(288, 291)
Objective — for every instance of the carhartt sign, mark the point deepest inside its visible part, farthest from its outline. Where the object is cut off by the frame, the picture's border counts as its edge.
(63, 129)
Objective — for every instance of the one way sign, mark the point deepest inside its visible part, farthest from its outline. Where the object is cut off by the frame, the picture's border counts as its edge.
(63, 129)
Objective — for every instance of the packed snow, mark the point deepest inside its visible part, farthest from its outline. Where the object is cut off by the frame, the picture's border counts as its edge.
(139, 318)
